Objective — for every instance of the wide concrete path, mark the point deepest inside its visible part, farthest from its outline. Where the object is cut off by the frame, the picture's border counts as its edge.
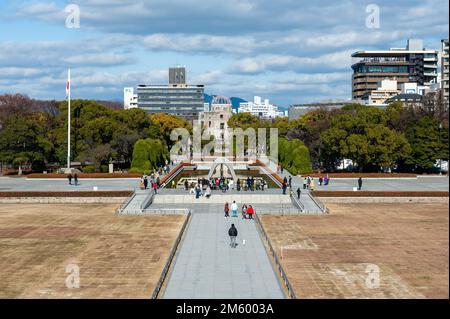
(207, 267)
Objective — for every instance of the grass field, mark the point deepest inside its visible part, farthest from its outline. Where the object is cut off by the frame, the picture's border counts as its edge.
(332, 256)
(118, 256)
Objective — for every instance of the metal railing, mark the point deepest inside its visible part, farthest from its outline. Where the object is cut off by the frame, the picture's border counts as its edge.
(147, 201)
(319, 203)
(165, 271)
(125, 204)
(172, 174)
(281, 271)
(297, 202)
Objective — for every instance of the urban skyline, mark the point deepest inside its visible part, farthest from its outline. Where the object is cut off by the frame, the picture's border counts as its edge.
(223, 45)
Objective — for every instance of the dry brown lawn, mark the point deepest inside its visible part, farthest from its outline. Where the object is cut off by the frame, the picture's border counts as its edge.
(118, 256)
(332, 256)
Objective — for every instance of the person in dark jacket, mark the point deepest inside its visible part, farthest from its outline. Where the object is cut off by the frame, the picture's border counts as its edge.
(232, 232)
(70, 179)
(75, 178)
(360, 183)
(290, 181)
(299, 192)
(284, 186)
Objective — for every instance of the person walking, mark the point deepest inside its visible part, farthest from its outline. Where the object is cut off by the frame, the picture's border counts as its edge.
(299, 193)
(238, 185)
(186, 184)
(232, 232)
(155, 188)
(145, 182)
(360, 182)
(234, 209)
(75, 178)
(320, 181)
(226, 210)
(70, 178)
(244, 211)
(313, 184)
(304, 183)
(208, 192)
(290, 181)
(250, 212)
(284, 188)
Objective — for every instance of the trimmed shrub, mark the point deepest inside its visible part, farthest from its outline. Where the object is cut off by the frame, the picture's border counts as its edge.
(89, 169)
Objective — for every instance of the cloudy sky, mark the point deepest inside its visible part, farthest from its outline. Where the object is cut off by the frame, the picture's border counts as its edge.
(290, 51)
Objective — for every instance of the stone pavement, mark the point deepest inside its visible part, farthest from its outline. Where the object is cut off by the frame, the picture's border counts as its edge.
(207, 267)
(435, 183)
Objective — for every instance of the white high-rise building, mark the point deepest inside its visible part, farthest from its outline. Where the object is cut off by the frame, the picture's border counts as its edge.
(129, 98)
(260, 108)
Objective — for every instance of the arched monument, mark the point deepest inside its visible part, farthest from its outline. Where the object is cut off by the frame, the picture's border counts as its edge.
(225, 162)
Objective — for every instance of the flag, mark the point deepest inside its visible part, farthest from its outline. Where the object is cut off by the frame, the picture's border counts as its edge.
(68, 84)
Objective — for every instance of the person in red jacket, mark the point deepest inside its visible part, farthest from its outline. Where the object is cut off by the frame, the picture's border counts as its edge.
(250, 212)
(155, 188)
(226, 210)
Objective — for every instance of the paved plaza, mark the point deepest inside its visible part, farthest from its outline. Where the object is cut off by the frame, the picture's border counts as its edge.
(432, 183)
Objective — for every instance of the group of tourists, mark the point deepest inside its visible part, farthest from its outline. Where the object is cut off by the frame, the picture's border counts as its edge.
(74, 177)
(251, 184)
(247, 211)
(150, 182)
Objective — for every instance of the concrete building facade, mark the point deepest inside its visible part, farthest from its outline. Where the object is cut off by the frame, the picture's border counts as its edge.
(260, 108)
(444, 69)
(410, 64)
(298, 110)
(177, 97)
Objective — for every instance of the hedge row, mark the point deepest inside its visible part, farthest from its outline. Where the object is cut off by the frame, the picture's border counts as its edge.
(380, 194)
(86, 175)
(68, 194)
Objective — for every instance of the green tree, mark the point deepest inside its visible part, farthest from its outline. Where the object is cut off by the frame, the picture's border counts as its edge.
(429, 143)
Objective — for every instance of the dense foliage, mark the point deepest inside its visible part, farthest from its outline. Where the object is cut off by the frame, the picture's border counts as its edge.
(34, 133)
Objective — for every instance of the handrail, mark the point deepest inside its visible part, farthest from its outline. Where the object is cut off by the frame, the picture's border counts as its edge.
(272, 175)
(297, 202)
(125, 203)
(173, 173)
(147, 200)
(173, 251)
(319, 203)
(283, 275)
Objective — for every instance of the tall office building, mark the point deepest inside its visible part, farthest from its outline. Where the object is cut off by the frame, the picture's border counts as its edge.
(410, 64)
(177, 75)
(176, 98)
(444, 68)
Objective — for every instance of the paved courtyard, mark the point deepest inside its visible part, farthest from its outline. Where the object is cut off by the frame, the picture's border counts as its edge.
(382, 184)
(118, 256)
(332, 256)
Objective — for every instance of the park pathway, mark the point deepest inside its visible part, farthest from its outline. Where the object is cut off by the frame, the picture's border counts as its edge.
(207, 267)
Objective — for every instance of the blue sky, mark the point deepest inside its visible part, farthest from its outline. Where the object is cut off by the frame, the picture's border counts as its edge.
(289, 51)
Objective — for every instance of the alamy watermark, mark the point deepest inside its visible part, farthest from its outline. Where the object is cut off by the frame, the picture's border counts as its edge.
(373, 17)
(237, 144)
(73, 17)
(73, 279)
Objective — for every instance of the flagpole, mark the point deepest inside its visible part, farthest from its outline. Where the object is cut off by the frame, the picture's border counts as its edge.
(68, 119)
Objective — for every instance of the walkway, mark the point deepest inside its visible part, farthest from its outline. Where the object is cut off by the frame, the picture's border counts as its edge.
(207, 267)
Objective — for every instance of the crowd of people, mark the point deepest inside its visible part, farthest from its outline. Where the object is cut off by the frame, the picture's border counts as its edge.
(203, 186)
